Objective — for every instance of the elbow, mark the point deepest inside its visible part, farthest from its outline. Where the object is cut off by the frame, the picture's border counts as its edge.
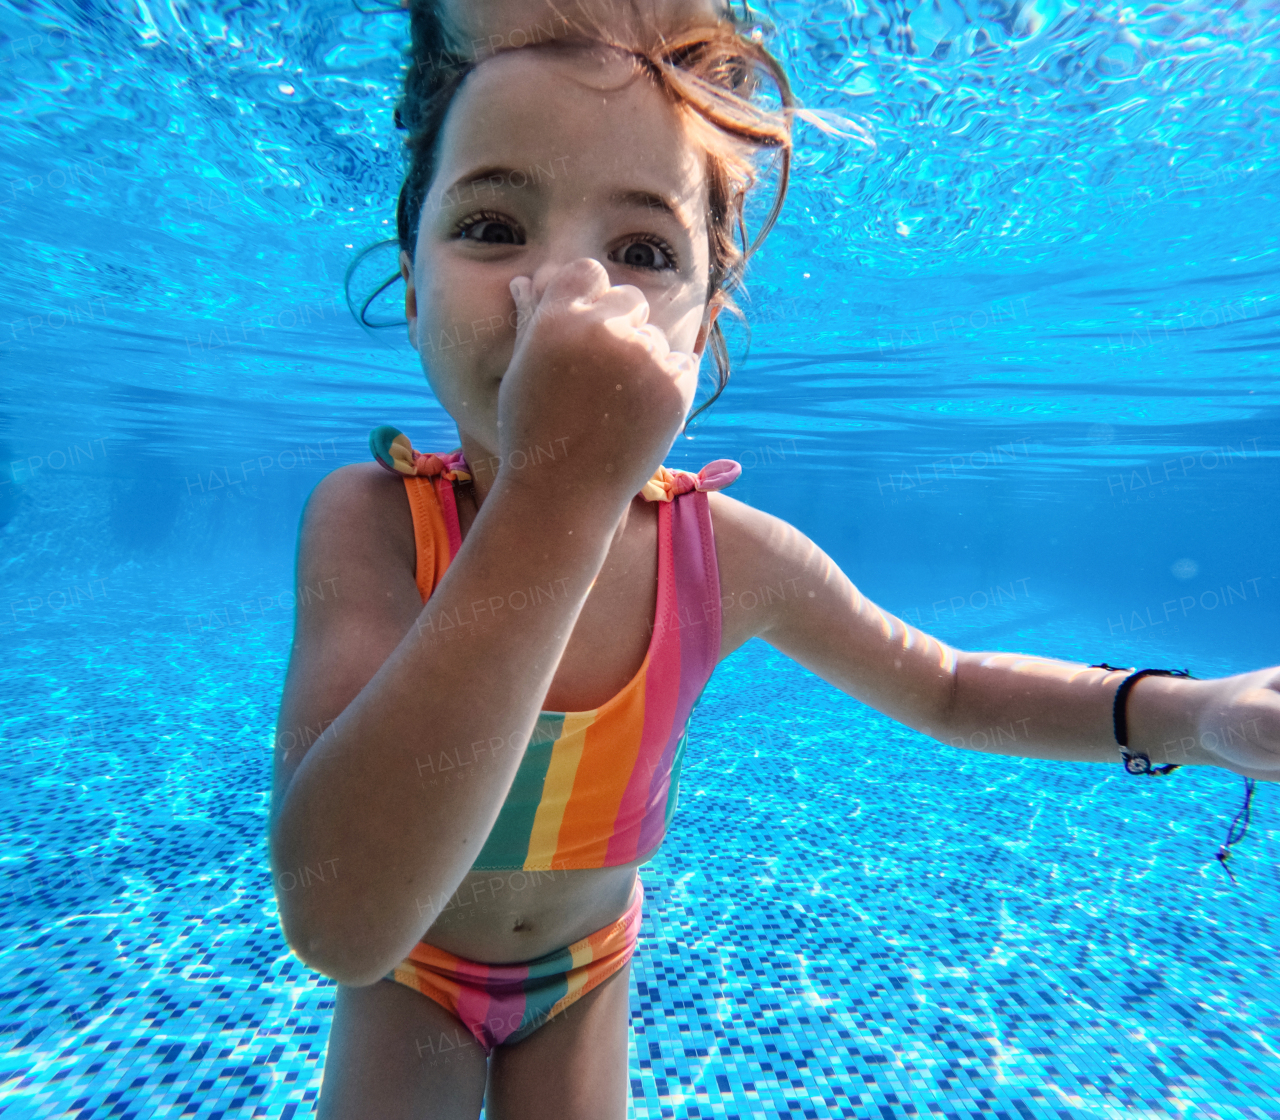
(322, 923)
(343, 967)
(345, 960)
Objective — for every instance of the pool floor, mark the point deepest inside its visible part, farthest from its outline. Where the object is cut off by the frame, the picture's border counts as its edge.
(846, 920)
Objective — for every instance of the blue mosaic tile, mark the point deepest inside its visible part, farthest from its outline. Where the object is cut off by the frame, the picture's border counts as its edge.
(846, 920)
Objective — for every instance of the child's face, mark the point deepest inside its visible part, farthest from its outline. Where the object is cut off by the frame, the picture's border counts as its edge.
(544, 160)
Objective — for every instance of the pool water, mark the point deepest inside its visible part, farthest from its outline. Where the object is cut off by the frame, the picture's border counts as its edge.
(999, 369)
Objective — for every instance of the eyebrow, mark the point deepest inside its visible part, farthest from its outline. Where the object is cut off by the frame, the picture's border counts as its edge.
(650, 200)
(494, 178)
(497, 178)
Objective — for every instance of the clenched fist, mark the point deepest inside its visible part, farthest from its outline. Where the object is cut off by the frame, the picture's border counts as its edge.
(590, 373)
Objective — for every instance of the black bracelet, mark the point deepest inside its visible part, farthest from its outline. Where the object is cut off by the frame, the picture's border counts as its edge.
(1135, 762)
(1140, 764)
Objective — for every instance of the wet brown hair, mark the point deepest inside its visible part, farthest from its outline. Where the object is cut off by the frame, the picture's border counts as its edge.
(711, 75)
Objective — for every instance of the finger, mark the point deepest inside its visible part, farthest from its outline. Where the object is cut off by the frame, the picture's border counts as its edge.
(631, 326)
(653, 339)
(681, 362)
(625, 303)
(684, 369)
(584, 280)
(522, 293)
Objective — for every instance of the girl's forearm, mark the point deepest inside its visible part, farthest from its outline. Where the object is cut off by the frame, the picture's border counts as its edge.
(1034, 707)
(466, 685)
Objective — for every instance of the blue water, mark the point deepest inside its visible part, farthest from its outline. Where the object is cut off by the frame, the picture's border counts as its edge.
(1003, 344)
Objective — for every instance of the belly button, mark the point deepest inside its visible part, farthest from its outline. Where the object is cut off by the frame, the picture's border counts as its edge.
(521, 926)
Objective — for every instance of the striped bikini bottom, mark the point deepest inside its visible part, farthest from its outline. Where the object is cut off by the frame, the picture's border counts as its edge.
(504, 1003)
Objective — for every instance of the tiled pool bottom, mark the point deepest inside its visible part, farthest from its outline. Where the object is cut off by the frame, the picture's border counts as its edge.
(846, 919)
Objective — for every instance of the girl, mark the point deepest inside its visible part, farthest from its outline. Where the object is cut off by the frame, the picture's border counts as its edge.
(507, 670)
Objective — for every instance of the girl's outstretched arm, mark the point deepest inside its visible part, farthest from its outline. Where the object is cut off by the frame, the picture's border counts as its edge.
(1004, 703)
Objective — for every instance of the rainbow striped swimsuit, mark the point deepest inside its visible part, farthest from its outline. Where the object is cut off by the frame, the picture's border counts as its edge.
(594, 789)
(501, 1004)
(598, 788)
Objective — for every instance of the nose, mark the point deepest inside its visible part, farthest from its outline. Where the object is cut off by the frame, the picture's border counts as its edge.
(564, 246)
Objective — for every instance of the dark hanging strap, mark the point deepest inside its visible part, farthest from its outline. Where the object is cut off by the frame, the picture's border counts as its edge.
(1234, 837)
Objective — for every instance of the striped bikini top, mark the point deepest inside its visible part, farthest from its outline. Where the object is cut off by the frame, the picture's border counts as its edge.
(597, 788)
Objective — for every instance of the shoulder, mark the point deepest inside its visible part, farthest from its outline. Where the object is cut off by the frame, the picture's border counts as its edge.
(358, 490)
(356, 482)
(737, 520)
(750, 538)
(357, 508)
(762, 561)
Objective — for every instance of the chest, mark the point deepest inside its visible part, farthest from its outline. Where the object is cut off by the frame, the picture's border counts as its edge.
(616, 627)
(614, 630)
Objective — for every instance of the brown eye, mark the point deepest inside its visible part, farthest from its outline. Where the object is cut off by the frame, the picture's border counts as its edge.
(490, 229)
(652, 255)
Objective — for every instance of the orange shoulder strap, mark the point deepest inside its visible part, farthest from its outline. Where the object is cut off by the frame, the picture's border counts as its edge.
(430, 533)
